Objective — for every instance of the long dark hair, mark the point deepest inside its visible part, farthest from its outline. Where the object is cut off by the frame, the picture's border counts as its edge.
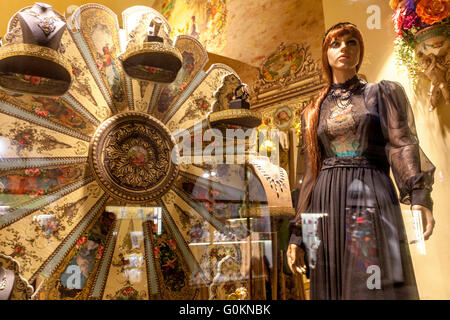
(311, 113)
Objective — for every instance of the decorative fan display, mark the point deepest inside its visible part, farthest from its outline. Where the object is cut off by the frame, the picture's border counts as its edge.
(92, 205)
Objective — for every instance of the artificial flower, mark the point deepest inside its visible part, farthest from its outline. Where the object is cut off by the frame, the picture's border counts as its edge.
(397, 19)
(410, 20)
(432, 11)
(172, 244)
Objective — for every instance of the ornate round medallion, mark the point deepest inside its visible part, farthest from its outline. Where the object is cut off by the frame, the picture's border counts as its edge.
(130, 155)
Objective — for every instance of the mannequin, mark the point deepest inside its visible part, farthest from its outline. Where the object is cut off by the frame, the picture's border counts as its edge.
(40, 25)
(363, 130)
(6, 283)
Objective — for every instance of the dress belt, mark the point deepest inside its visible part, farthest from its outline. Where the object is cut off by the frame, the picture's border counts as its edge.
(352, 162)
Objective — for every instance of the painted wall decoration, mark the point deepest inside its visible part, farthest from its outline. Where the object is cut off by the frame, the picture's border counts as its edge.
(284, 63)
(203, 20)
(226, 28)
(282, 117)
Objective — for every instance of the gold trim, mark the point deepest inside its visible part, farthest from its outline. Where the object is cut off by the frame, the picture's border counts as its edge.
(235, 114)
(32, 50)
(275, 212)
(147, 47)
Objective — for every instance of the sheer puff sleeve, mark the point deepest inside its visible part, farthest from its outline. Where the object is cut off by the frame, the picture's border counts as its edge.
(304, 195)
(412, 170)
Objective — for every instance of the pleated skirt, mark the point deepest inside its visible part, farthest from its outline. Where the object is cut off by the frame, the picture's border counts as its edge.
(363, 251)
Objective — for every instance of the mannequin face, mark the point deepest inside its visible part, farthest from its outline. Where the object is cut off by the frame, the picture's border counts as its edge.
(343, 53)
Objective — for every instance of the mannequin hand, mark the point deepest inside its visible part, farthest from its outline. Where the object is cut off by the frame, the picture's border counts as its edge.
(427, 220)
(296, 259)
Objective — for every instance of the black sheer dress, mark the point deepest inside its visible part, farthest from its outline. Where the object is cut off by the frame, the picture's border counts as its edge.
(360, 249)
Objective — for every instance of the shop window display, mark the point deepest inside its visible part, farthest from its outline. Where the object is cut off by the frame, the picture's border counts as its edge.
(134, 168)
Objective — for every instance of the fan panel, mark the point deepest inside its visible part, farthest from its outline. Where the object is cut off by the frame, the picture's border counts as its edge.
(19, 186)
(194, 59)
(174, 276)
(192, 226)
(220, 202)
(199, 103)
(82, 260)
(84, 88)
(35, 237)
(27, 163)
(127, 269)
(225, 175)
(55, 110)
(20, 138)
(100, 30)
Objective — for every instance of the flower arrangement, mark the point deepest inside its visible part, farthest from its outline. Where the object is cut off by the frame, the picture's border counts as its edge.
(411, 16)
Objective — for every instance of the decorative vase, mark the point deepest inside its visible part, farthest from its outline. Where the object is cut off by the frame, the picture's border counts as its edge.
(433, 55)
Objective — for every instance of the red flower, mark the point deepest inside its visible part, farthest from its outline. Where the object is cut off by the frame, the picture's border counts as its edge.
(37, 193)
(156, 251)
(172, 244)
(151, 69)
(35, 80)
(19, 250)
(183, 86)
(55, 99)
(23, 142)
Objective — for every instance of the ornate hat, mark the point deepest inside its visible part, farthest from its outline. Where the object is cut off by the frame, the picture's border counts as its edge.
(30, 61)
(152, 57)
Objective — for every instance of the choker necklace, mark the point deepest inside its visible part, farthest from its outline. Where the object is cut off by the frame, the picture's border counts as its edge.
(3, 281)
(342, 92)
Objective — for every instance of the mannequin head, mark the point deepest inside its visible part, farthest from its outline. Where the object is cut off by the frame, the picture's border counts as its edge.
(342, 50)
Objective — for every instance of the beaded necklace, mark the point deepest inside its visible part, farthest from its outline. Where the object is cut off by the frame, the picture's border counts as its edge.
(342, 93)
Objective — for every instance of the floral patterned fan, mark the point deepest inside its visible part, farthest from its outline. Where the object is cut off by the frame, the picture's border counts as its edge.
(76, 213)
